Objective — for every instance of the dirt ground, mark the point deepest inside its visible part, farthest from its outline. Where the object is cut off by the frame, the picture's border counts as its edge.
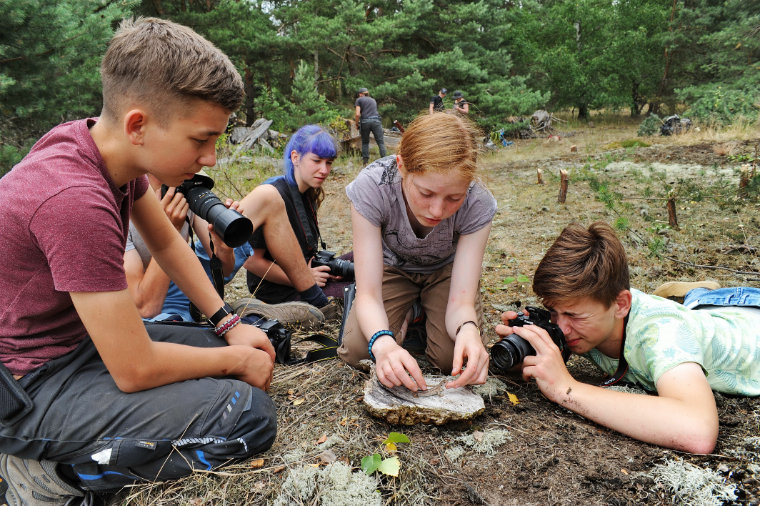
(548, 455)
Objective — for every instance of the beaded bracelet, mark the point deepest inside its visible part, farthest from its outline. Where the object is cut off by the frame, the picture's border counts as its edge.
(379, 333)
(223, 329)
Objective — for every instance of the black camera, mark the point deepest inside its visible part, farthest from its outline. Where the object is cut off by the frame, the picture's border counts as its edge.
(513, 349)
(234, 228)
(338, 266)
(278, 335)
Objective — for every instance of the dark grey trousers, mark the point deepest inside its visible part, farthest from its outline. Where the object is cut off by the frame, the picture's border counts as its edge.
(111, 438)
(376, 127)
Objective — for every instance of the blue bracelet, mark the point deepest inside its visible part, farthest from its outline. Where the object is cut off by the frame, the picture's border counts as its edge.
(379, 333)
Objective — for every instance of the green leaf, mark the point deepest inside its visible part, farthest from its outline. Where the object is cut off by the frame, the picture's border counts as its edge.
(390, 466)
(396, 437)
(508, 280)
(371, 463)
(522, 278)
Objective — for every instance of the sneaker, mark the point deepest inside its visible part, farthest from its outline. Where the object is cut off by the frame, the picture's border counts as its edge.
(27, 482)
(287, 313)
(677, 290)
(333, 310)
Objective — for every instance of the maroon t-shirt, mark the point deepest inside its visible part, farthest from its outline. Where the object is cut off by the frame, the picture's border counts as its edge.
(63, 227)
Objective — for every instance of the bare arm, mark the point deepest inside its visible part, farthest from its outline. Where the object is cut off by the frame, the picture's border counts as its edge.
(147, 288)
(468, 345)
(206, 234)
(358, 115)
(138, 363)
(183, 267)
(683, 416)
(395, 366)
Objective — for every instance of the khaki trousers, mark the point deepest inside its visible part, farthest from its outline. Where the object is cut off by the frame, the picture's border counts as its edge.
(400, 290)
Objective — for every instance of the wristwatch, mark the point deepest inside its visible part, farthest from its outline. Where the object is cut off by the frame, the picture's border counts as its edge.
(217, 317)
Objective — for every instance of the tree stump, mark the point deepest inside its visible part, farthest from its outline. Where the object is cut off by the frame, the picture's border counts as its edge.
(540, 176)
(562, 186)
(672, 219)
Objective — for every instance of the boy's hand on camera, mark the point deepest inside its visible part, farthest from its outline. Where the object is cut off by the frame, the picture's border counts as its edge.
(547, 366)
(470, 359)
(395, 366)
(503, 329)
(250, 336)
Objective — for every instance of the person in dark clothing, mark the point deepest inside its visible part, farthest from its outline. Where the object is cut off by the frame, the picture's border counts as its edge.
(461, 105)
(308, 160)
(368, 120)
(436, 102)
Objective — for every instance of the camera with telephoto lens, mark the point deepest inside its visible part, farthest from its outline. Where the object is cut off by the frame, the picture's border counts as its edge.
(278, 335)
(513, 349)
(234, 228)
(338, 266)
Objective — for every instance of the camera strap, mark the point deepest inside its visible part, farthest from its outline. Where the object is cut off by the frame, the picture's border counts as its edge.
(622, 367)
(310, 227)
(217, 276)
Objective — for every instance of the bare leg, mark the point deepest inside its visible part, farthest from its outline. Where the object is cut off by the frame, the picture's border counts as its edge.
(265, 208)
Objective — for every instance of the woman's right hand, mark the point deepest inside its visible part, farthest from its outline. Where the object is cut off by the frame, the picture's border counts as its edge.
(395, 366)
(321, 274)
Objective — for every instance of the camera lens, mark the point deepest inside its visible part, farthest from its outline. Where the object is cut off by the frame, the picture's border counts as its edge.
(510, 352)
(343, 268)
(234, 228)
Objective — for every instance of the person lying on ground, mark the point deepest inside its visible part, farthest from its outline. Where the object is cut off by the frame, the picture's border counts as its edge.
(308, 160)
(109, 399)
(421, 220)
(681, 352)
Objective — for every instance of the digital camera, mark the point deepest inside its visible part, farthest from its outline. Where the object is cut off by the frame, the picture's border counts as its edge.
(513, 349)
(234, 228)
(338, 266)
(278, 335)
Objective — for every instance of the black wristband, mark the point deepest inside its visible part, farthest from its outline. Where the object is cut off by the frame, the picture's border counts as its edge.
(217, 317)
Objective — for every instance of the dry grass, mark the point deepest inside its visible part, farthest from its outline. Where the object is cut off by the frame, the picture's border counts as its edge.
(553, 456)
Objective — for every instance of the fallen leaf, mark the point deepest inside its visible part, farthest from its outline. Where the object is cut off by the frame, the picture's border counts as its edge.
(298, 401)
(513, 399)
(327, 457)
(623, 470)
(391, 447)
(390, 466)
(278, 469)
(396, 437)
(257, 463)
(322, 439)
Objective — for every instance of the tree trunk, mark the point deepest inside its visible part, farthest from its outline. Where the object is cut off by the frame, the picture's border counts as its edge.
(583, 111)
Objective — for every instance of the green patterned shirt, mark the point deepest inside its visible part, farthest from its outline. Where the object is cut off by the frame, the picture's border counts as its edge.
(662, 334)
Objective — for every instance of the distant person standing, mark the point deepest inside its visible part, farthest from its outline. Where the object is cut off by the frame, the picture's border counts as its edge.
(460, 104)
(436, 103)
(368, 120)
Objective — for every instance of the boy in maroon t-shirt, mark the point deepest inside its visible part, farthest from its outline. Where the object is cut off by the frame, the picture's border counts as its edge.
(114, 400)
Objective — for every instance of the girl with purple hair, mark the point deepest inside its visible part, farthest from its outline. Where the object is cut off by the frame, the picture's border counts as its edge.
(308, 159)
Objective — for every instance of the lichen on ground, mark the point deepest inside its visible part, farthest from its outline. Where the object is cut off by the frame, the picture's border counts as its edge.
(691, 484)
(335, 485)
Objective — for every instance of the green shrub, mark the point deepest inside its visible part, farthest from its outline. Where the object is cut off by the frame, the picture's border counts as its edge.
(650, 125)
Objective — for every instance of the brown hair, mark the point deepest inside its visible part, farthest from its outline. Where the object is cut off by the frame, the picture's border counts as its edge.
(583, 263)
(440, 142)
(164, 64)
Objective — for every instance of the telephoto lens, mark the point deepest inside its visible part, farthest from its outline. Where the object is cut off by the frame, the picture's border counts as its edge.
(234, 228)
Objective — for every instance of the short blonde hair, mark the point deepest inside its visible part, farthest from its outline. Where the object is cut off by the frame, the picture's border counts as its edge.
(440, 142)
(162, 64)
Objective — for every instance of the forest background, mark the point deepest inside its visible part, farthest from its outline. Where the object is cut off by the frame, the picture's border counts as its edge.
(303, 60)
